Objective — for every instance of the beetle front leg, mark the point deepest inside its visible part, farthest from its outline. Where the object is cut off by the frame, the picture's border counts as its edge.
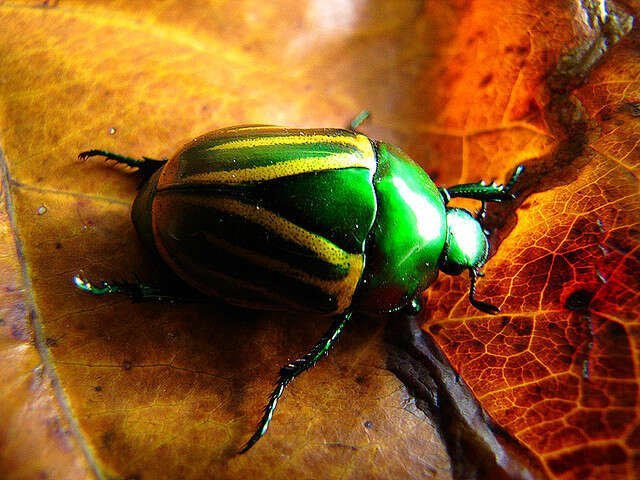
(146, 165)
(293, 369)
(483, 192)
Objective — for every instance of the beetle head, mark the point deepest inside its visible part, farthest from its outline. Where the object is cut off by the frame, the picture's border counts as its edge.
(466, 248)
(467, 245)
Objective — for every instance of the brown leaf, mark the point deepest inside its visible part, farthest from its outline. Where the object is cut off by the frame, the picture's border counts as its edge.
(103, 387)
(558, 369)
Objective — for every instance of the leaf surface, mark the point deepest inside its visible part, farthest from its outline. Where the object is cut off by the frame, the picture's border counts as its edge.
(100, 387)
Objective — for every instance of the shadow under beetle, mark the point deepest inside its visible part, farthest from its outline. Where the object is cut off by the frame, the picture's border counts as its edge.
(323, 220)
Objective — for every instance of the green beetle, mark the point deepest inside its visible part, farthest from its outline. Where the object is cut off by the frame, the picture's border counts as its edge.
(321, 220)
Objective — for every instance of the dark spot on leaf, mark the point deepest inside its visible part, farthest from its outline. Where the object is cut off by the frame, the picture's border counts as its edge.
(54, 426)
(57, 431)
(107, 439)
(522, 329)
(633, 439)
(486, 80)
(97, 388)
(579, 300)
(361, 379)
(435, 328)
(51, 342)
(1, 321)
(532, 110)
(19, 331)
(606, 114)
(58, 246)
(616, 332)
(368, 424)
(553, 326)
(504, 321)
(127, 365)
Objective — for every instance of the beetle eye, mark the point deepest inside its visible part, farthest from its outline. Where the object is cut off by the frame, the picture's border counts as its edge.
(467, 245)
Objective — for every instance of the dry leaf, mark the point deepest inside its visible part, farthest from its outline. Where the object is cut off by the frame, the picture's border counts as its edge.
(101, 387)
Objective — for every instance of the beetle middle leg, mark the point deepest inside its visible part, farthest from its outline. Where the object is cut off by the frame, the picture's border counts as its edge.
(137, 291)
(145, 165)
(293, 369)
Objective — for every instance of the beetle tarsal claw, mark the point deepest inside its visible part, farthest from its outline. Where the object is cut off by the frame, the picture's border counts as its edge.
(479, 304)
(84, 284)
(81, 282)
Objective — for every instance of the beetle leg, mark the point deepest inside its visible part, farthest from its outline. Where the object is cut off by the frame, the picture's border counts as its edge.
(146, 166)
(292, 370)
(137, 291)
(480, 305)
(413, 307)
(482, 213)
(483, 192)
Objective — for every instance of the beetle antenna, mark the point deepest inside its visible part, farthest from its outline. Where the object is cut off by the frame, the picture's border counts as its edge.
(480, 305)
(292, 370)
(482, 213)
(359, 120)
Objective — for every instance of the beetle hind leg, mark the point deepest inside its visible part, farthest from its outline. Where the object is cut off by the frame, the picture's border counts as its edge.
(145, 165)
(292, 370)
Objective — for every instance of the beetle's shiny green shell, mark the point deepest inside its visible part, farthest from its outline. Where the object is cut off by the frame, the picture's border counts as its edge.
(266, 217)
(306, 220)
(407, 240)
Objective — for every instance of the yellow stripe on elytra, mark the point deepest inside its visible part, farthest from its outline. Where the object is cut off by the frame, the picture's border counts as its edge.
(341, 289)
(282, 169)
(321, 247)
(360, 142)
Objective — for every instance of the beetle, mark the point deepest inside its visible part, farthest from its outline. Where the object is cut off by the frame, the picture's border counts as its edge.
(323, 220)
